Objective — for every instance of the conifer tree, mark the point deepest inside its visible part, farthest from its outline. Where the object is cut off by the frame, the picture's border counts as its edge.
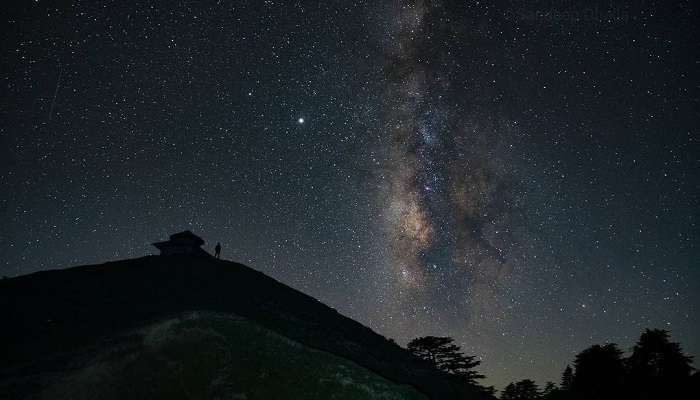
(509, 393)
(567, 378)
(657, 367)
(446, 356)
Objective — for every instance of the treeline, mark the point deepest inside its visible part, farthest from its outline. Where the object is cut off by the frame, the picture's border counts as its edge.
(656, 369)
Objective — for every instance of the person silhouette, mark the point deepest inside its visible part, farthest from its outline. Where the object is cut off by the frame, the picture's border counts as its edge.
(217, 250)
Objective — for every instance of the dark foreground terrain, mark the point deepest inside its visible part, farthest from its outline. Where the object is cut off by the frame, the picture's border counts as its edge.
(193, 327)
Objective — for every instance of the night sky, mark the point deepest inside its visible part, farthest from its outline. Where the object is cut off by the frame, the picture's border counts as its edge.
(523, 177)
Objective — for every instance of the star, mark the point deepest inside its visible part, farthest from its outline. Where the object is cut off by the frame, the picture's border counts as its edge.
(300, 120)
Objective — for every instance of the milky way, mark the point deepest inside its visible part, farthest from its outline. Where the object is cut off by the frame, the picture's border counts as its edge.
(448, 205)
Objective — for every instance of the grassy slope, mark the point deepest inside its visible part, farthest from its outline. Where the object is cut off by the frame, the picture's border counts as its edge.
(205, 356)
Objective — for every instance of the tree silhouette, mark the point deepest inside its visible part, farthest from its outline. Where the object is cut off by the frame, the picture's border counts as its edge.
(509, 393)
(657, 367)
(549, 389)
(567, 378)
(600, 372)
(446, 356)
(527, 390)
(522, 390)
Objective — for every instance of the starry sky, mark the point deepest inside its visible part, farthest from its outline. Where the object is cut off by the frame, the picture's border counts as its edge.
(521, 176)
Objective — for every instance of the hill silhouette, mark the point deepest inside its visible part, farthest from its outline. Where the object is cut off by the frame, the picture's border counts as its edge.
(203, 317)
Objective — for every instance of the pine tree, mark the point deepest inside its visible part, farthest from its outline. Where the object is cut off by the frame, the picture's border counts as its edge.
(527, 390)
(522, 390)
(509, 393)
(549, 389)
(657, 367)
(600, 372)
(446, 356)
(567, 378)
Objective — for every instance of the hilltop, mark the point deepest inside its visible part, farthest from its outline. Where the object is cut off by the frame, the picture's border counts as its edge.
(193, 326)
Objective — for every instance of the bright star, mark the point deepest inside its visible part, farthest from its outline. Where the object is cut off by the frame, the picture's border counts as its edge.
(300, 120)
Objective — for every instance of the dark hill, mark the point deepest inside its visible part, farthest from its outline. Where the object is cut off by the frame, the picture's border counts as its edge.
(59, 321)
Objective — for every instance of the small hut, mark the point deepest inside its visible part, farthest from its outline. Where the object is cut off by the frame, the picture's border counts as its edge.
(182, 243)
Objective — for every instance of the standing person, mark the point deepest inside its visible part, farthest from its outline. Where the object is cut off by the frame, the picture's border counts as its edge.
(217, 250)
